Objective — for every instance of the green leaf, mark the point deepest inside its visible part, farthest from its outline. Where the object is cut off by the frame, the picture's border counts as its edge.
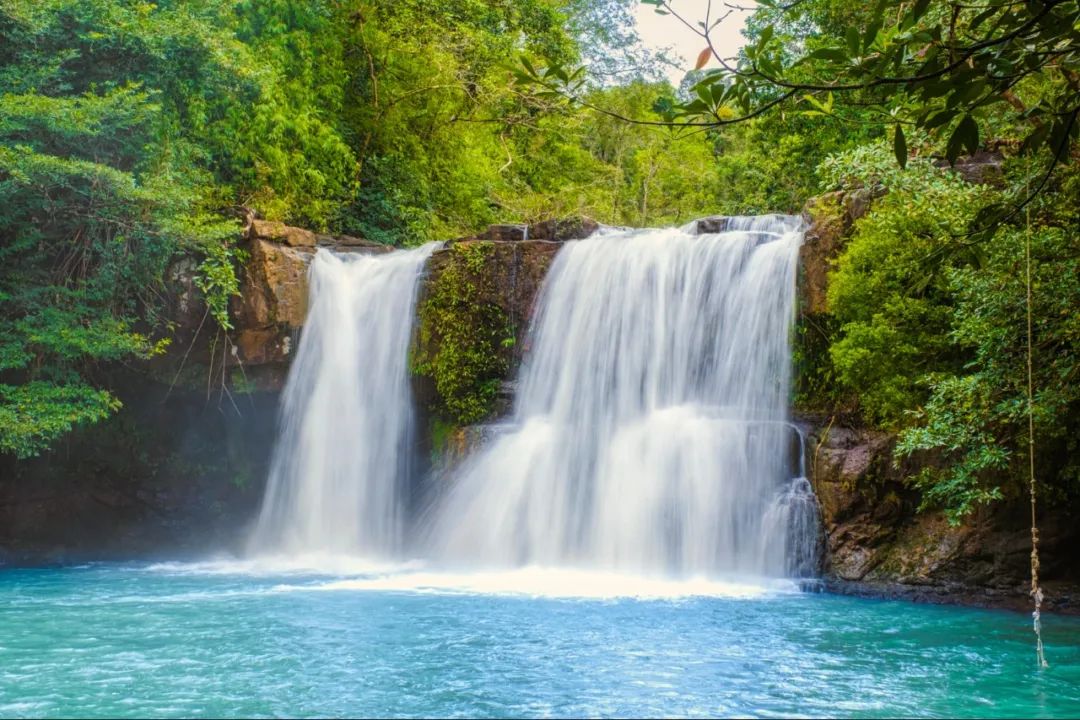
(939, 119)
(1035, 139)
(983, 16)
(853, 41)
(828, 53)
(1059, 141)
(965, 134)
(970, 133)
(871, 32)
(900, 146)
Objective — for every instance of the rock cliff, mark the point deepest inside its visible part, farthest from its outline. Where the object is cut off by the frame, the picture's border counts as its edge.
(878, 543)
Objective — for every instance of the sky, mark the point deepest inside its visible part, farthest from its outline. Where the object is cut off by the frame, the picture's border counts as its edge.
(660, 31)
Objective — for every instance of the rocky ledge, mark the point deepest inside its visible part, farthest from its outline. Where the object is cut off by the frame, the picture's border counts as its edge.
(878, 544)
(272, 305)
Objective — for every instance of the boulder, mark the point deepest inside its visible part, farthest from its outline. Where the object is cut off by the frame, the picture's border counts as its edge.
(506, 233)
(273, 286)
(277, 232)
(563, 229)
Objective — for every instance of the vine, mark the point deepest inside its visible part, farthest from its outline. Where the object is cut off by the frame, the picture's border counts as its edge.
(1036, 591)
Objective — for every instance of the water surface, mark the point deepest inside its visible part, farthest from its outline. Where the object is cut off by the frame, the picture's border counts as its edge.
(243, 640)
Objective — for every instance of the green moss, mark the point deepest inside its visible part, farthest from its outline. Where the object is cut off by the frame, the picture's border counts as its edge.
(441, 432)
(464, 339)
(827, 209)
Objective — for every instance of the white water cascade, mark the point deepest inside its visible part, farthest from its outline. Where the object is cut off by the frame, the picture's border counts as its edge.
(341, 461)
(650, 434)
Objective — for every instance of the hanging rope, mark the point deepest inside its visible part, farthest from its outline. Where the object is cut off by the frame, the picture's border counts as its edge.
(1036, 591)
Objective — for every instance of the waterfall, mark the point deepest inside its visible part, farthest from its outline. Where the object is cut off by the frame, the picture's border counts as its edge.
(341, 461)
(650, 433)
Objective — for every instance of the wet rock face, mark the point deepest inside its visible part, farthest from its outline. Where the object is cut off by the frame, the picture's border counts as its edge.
(563, 229)
(272, 305)
(553, 230)
(474, 306)
(860, 503)
(878, 543)
(506, 233)
(512, 274)
(273, 286)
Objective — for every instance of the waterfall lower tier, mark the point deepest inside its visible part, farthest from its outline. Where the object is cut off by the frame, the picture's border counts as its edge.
(650, 432)
(341, 462)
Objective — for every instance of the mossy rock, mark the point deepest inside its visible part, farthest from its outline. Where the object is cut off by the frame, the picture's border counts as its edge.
(473, 314)
(464, 337)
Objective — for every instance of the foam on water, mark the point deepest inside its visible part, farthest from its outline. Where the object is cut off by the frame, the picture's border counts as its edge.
(325, 564)
(349, 574)
(541, 582)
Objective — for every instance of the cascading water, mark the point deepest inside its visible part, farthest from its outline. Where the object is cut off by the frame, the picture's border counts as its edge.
(650, 433)
(341, 460)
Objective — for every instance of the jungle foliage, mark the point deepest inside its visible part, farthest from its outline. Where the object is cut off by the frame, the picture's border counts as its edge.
(130, 130)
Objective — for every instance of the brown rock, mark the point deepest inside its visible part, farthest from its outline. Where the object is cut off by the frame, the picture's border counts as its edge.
(849, 470)
(514, 270)
(272, 303)
(878, 544)
(263, 346)
(277, 232)
(563, 229)
(828, 223)
(506, 233)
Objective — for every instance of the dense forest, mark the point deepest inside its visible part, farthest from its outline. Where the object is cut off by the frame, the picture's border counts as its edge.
(132, 132)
